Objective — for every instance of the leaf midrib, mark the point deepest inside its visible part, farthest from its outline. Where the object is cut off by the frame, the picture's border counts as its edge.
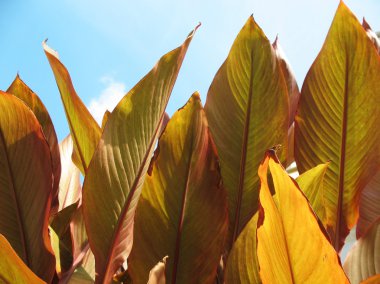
(342, 160)
(243, 156)
(182, 213)
(124, 211)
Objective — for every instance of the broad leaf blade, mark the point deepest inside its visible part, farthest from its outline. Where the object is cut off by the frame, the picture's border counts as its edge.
(248, 112)
(363, 260)
(83, 127)
(338, 118)
(12, 268)
(242, 264)
(69, 185)
(292, 246)
(184, 195)
(311, 184)
(369, 206)
(114, 179)
(19, 89)
(25, 185)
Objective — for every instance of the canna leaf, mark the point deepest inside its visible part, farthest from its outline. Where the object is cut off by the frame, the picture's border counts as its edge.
(248, 112)
(363, 259)
(25, 186)
(292, 246)
(311, 184)
(290, 79)
(105, 118)
(182, 210)
(337, 120)
(242, 264)
(116, 174)
(369, 208)
(12, 268)
(19, 89)
(69, 185)
(157, 274)
(83, 127)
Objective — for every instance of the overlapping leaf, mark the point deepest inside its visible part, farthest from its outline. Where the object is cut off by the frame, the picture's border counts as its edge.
(19, 89)
(248, 112)
(25, 185)
(292, 246)
(338, 119)
(311, 184)
(12, 268)
(83, 127)
(291, 83)
(69, 185)
(182, 211)
(114, 179)
(242, 264)
(369, 206)
(372, 35)
(363, 260)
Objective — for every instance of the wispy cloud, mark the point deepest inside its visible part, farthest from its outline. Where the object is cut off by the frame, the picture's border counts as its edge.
(108, 98)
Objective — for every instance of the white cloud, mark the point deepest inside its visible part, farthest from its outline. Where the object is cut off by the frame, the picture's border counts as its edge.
(108, 98)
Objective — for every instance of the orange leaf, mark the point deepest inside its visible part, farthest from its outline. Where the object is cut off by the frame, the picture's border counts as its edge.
(292, 245)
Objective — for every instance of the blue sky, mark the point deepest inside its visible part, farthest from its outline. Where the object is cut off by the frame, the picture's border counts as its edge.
(108, 46)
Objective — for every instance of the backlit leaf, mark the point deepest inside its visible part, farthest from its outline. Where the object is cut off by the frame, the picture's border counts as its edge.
(248, 112)
(337, 120)
(182, 210)
(363, 260)
(83, 127)
(372, 280)
(114, 179)
(25, 186)
(19, 89)
(311, 184)
(12, 268)
(291, 83)
(242, 264)
(69, 185)
(292, 246)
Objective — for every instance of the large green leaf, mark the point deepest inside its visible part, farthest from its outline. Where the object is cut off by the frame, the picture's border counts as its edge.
(19, 89)
(248, 112)
(292, 245)
(338, 118)
(114, 179)
(25, 185)
(363, 260)
(83, 127)
(12, 268)
(182, 211)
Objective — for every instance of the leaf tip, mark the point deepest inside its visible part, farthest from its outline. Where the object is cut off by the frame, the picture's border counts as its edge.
(48, 49)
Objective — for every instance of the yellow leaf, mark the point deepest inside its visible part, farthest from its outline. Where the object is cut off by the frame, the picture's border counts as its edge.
(248, 111)
(242, 264)
(12, 268)
(292, 246)
(114, 179)
(83, 127)
(338, 120)
(311, 184)
(182, 210)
